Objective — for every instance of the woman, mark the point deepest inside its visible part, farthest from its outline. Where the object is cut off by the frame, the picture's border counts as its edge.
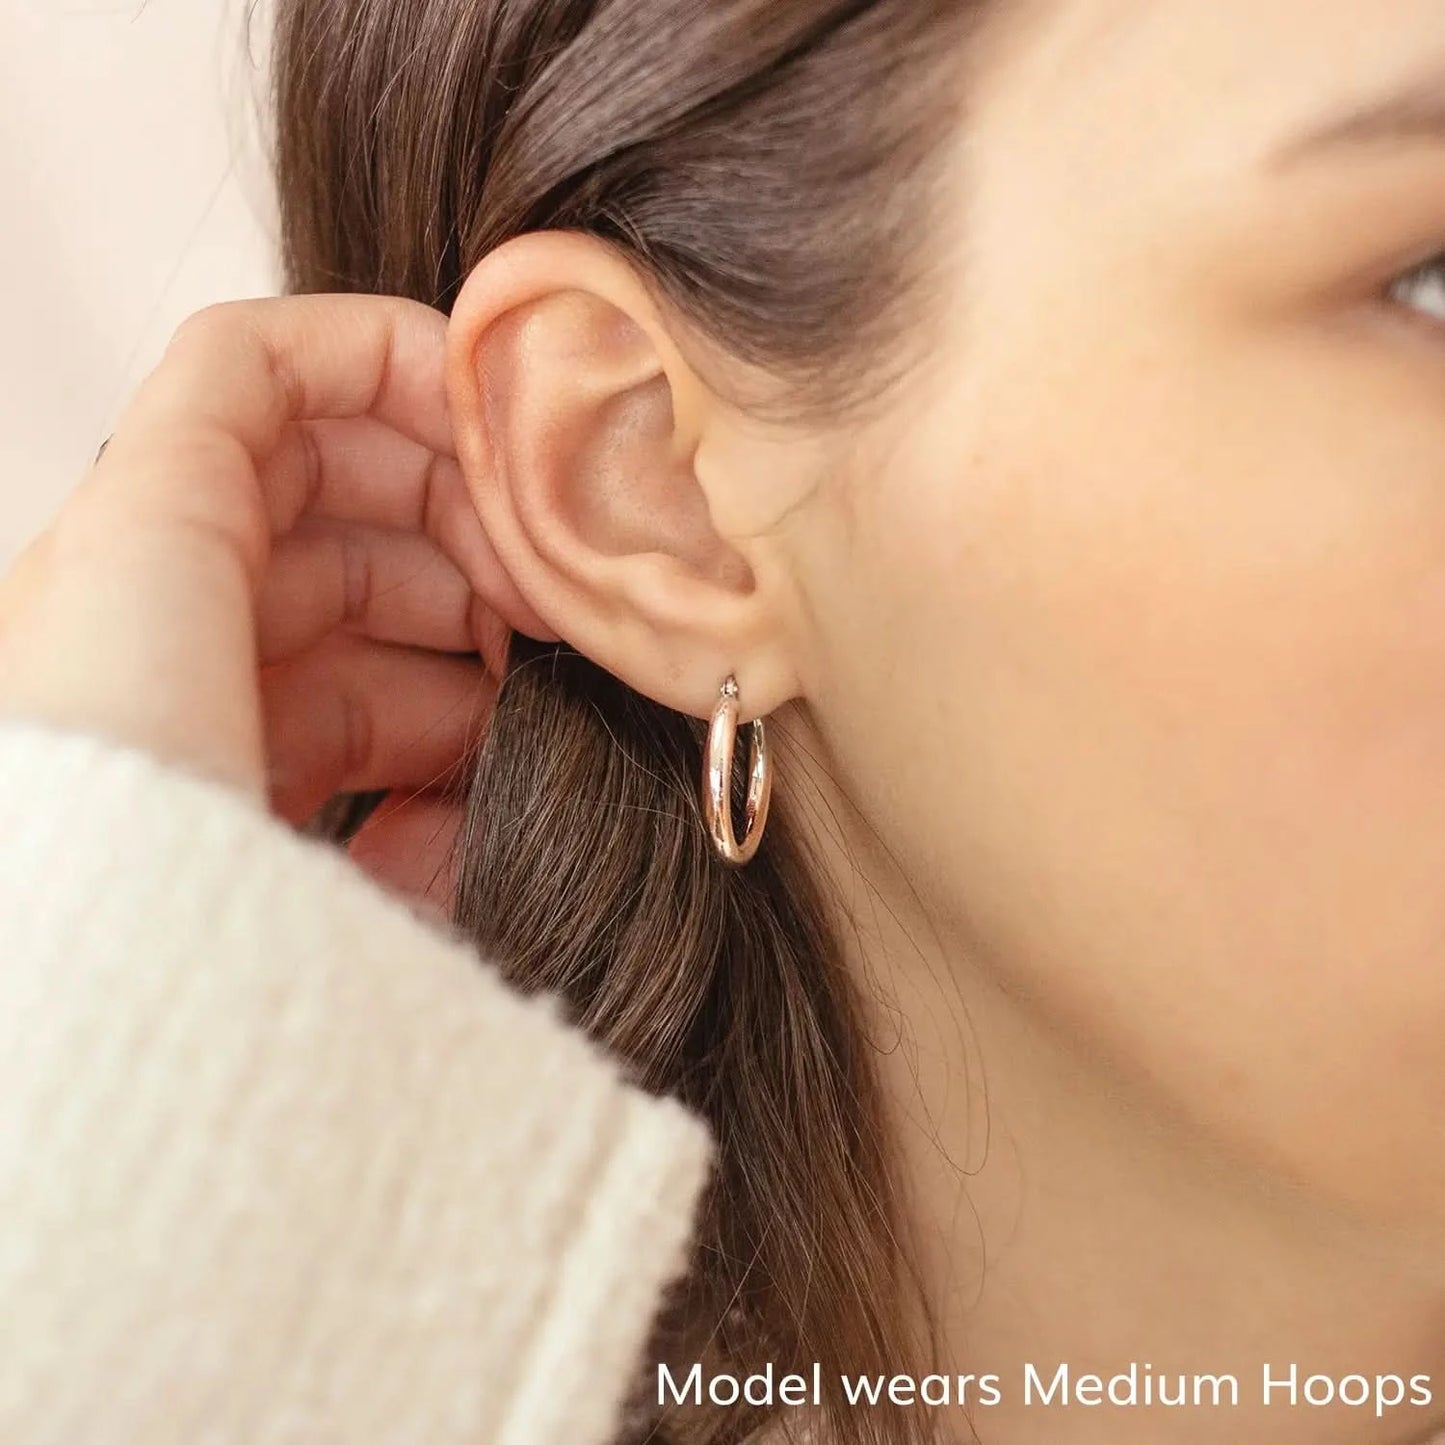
(1037, 415)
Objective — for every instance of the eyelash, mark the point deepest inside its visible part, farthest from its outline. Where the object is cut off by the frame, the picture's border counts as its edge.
(1422, 289)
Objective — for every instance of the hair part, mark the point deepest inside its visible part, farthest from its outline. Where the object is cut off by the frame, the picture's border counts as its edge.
(768, 166)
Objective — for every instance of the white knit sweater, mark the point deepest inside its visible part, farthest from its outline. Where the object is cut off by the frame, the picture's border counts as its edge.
(281, 1163)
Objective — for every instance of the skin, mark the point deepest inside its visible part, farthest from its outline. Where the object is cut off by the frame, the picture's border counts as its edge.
(273, 577)
(1107, 665)
(1141, 833)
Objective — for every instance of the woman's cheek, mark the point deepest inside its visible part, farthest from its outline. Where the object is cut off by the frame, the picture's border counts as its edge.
(1166, 723)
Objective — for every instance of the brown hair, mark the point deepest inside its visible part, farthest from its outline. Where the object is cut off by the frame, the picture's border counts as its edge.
(768, 165)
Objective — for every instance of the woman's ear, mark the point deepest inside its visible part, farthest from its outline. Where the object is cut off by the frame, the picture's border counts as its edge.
(629, 505)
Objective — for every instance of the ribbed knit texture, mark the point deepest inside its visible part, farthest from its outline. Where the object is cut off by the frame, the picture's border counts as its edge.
(280, 1162)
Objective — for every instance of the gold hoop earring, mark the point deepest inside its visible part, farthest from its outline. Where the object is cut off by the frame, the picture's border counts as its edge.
(717, 777)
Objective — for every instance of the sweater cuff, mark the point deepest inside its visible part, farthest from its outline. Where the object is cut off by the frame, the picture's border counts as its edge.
(281, 1163)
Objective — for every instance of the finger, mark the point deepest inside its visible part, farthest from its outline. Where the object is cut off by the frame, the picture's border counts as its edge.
(352, 715)
(200, 430)
(362, 470)
(409, 844)
(162, 551)
(385, 585)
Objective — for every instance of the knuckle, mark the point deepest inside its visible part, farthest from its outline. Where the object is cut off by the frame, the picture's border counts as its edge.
(203, 325)
(216, 324)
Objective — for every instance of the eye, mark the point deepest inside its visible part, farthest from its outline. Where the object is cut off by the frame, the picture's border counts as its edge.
(1423, 289)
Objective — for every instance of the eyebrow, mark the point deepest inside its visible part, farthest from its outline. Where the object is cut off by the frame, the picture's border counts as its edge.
(1413, 116)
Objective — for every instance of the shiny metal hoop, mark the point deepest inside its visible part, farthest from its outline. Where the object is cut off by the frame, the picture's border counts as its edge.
(717, 776)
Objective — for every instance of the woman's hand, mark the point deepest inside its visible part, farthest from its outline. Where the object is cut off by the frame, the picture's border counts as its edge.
(274, 574)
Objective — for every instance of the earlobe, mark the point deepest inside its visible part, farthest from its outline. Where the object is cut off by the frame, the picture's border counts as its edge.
(578, 423)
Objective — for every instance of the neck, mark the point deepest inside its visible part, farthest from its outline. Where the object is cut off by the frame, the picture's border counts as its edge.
(1062, 1219)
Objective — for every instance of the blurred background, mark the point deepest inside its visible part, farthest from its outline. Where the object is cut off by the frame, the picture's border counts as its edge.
(133, 190)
